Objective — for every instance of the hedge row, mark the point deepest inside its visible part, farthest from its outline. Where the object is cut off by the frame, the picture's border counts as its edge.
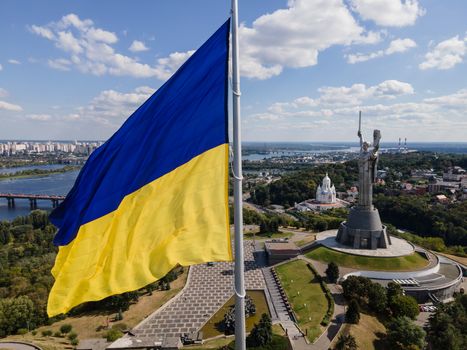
(328, 316)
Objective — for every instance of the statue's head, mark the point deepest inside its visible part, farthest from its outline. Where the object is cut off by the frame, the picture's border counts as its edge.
(365, 146)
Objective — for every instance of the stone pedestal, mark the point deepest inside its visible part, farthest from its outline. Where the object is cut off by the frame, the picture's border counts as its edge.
(363, 230)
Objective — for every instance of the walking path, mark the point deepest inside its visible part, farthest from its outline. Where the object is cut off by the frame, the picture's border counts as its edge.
(279, 305)
(18, 346)
(208, 288)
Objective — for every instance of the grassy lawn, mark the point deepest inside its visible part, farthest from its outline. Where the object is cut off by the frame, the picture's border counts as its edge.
(369, 333)
(306, 240)
(402, 263)
(213, 327)
(302, 288)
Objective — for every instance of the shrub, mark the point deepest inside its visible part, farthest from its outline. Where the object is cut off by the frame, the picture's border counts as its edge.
(72, 336)
(46, 333)
(113, 335)
(229, 317)
(75, 342)
(21, 331)
(66, 328)
(325, 321)
(261, 334)
(57, 334)
(120, 326)
(119, 315)
(34, 332)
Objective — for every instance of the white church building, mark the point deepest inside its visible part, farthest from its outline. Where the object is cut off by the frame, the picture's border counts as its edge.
(325, 193)
(325, 198)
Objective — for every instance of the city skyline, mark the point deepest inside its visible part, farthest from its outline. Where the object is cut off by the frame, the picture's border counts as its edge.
(72, 71)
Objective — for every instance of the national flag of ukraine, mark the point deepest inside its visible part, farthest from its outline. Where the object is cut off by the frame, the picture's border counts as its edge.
(155, 194)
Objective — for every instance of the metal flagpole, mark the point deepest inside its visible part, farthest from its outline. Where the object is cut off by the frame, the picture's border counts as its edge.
(240, 343)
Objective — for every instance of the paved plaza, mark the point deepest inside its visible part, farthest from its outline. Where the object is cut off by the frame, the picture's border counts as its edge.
(399, 247)
(208, 288)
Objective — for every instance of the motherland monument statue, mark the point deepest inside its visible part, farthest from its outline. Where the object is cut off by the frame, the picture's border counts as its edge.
(367, 167)
(363, 228)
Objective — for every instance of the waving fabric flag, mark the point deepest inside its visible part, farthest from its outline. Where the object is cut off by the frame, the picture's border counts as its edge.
(155, 194)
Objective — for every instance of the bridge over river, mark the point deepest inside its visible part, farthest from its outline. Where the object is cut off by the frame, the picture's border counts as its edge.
(33, 198)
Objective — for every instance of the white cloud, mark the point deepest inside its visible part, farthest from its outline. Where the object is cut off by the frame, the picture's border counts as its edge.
(6, 105)
(137, 46)
(42, 31)
(395, 46)
(325, 119)
(293, 37)
(97, 34)
(1, 67)
(400, 45)
(60, 64)
(10, 107)
(389, 13)
(333, 100)
(39, 117)
(392, 89)
(13, 61)
(90, 51)
(167, 65)
(112, 107)
(73, 20)
(445, 54)
(68, 43)
(357, 93)
(456, 100)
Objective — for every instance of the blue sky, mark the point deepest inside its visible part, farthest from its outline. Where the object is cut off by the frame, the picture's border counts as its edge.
(77, 69)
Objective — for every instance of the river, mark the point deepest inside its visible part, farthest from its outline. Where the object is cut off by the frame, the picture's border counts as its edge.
(58, 184)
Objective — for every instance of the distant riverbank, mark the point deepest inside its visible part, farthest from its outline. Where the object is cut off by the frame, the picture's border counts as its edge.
(37, 172)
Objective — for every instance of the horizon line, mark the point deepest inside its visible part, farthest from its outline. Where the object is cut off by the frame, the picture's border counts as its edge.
(243, 141)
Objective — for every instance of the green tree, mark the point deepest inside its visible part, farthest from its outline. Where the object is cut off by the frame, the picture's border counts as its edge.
(15, 313)
(332, 272)
(404, 334)
(448, 325)
(356, 287)
(346, 342)
(393, 289)
(352, 314)
(39, 219)
(377, 299)
(402, 305)
(261, 334)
